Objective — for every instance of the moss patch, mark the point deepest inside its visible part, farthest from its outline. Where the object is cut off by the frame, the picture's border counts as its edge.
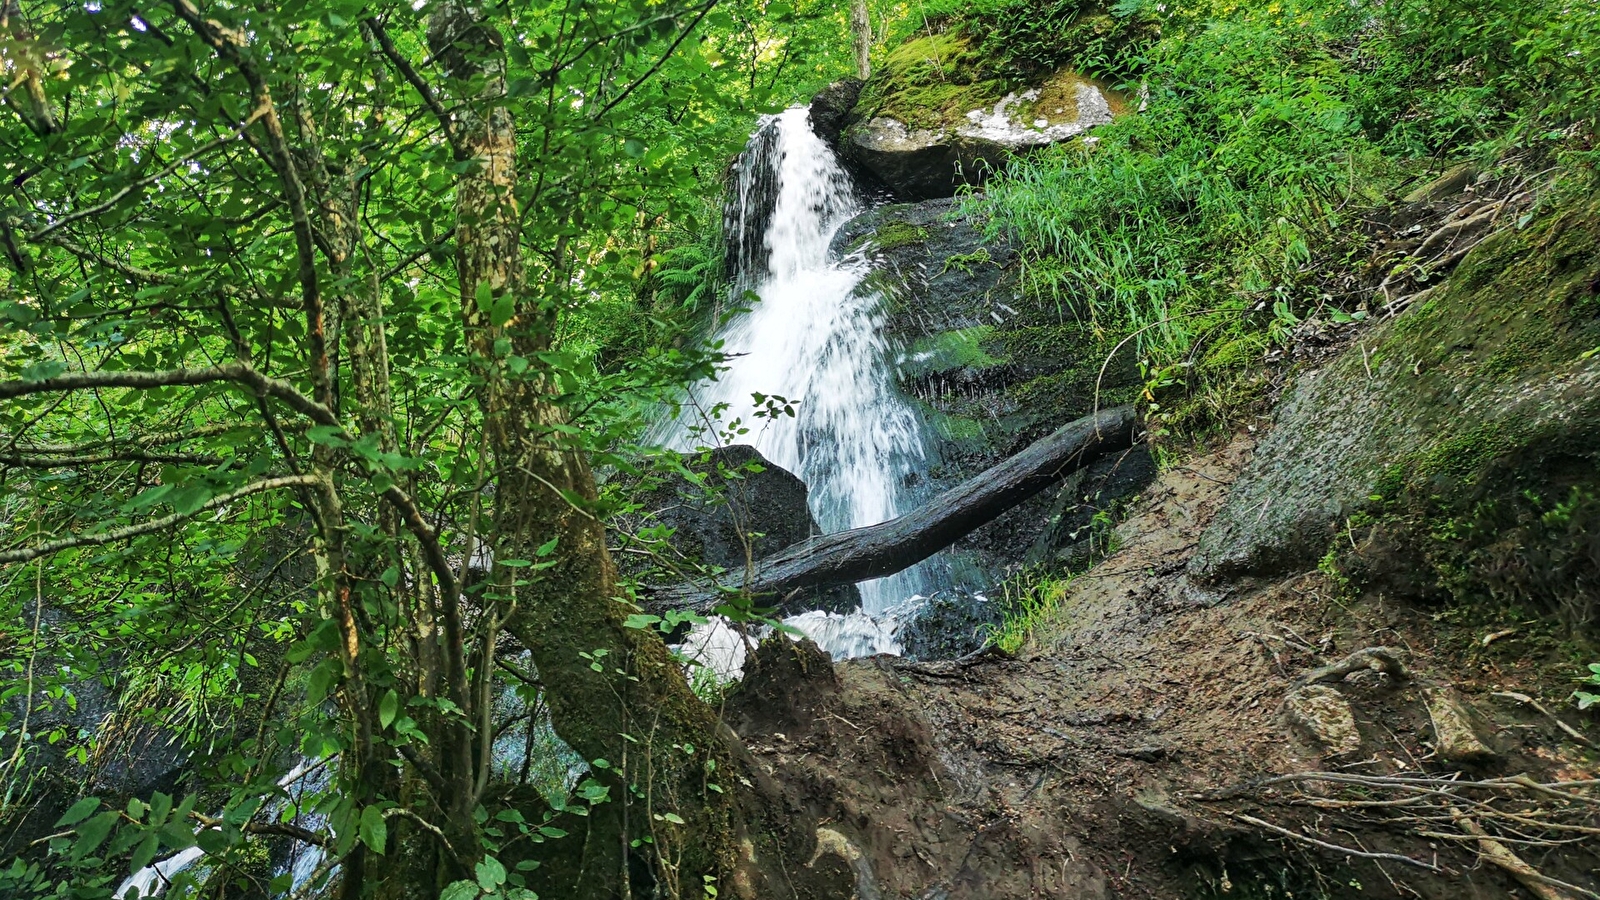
(961, 348)
(930, 82)
(1467, 434)
(898, 234)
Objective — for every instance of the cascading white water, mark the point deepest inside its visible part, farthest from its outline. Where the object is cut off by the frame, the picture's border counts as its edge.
(813, 337)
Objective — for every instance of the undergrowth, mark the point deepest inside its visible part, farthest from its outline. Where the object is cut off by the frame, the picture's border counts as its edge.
(1230, 208)
(1030, 602)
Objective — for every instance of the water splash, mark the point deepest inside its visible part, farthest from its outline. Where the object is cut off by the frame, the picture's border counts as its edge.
(813, 336)
(720, 647)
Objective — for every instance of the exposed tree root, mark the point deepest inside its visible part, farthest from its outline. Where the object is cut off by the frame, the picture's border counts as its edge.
(1379, 659)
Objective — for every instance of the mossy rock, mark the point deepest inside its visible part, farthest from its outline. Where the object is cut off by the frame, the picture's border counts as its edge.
(1471, 420)
(990, 369)
(935, 116)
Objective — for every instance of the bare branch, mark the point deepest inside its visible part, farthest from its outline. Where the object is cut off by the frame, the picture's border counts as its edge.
(704, 10)
(413, 78)
(145, 440)
(1348, 851)
(241, 373)
(55, 461)
(227, 45)
(281, 829)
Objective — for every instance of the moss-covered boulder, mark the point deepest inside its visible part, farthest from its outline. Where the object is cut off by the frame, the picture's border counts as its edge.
(1463, 437)
(935, 116)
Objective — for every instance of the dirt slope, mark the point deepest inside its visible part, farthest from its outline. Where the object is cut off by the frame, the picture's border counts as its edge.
(1123, 753)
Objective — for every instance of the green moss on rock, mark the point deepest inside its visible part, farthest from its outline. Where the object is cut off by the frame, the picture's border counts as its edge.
(930, 82)
(1458, 428)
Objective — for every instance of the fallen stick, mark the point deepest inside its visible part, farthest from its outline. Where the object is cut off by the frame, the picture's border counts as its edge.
(1540, 885)
(879, 550)
(1381, 659)
(1571, 732)
(1348, 851)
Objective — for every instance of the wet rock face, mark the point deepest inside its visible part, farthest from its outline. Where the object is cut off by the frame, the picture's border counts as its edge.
(1477, 410)
(830, 108)
(991, 371)
(925, 163)
(132, 761)
(745, 505)
(951, 625)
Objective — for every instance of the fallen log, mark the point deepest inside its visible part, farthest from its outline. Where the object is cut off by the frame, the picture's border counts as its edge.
(884, 549)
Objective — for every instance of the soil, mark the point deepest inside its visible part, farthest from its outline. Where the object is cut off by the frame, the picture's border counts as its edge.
(1123, 752)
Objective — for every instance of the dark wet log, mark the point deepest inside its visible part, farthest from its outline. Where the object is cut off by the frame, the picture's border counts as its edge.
(879, 550)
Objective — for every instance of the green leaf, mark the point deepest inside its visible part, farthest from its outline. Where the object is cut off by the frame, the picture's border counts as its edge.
(505, 306)
(388, 708)
(81, 810)
(459, 890)
(327, 435)
(145, 853)
(490, 873)
(640, 621)
(92, 834)
(321, 680)
(374, 830)
(160, 805)
(190, 498)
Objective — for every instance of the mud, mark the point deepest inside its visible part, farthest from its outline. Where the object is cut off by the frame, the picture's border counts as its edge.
(1122, 753)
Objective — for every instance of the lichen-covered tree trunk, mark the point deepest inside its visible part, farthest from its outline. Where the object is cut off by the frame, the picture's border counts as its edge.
(861, 34)
(614, 692)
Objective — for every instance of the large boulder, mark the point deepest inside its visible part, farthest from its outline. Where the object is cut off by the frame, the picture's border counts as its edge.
(733, 508)
(1456, 446)
(934, 117)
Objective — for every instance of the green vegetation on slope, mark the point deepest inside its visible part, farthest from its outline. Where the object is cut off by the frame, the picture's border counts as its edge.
(1227, 209)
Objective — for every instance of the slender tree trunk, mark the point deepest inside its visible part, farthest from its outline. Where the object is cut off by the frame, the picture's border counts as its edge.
(861, 30)
(614, 692)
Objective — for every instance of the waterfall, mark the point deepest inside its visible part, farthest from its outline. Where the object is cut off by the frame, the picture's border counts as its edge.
(813, 336)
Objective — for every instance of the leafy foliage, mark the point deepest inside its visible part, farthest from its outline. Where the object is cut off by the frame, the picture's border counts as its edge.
(1208, 225)
(244, 453)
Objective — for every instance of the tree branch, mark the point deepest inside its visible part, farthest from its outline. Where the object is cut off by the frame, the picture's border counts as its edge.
(116, 198)
(238, 372)
(25, 554)
(704, 10)
(413, 78)
(228, 47)
(57, 461)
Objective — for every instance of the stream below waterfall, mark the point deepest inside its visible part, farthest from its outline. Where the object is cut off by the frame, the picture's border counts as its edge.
(813, 336)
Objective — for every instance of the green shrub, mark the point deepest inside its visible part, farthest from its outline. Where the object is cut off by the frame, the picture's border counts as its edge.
(1023, 38)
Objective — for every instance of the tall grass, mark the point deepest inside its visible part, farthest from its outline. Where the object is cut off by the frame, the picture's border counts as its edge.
(1264, 131)
(1030, 604)
(1247, 153)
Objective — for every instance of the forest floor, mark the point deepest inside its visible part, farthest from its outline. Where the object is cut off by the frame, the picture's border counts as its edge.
(1138, 746)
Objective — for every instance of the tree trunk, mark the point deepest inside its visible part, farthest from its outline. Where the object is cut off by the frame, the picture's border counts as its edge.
(889, 547)
(614, 692)
(861, 30)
